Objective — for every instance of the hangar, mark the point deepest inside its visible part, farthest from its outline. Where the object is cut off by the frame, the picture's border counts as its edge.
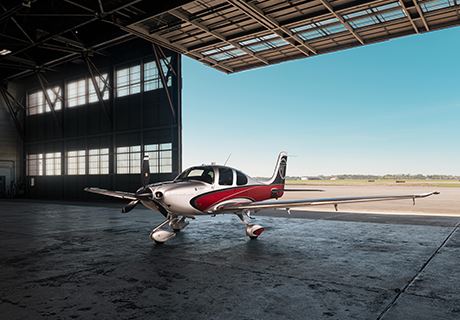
(65, 134)
(88, 87)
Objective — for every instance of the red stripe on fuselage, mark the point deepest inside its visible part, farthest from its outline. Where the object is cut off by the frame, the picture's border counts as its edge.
(254, 193)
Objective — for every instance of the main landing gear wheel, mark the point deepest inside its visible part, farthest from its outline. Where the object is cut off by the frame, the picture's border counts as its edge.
(253, 231)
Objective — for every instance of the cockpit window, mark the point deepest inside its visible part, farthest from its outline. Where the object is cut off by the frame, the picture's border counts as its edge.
(205, 174)
(225, 176)
(241, 178)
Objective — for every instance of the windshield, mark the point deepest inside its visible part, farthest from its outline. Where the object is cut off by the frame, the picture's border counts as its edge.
(205, 174)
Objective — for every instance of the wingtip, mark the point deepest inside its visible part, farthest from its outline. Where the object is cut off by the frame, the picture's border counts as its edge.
(436, 192)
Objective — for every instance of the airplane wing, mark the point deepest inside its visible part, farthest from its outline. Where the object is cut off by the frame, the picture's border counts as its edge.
(115, 194)
(287, 204)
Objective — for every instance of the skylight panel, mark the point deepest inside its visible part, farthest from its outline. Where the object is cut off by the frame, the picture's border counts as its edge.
(433, 5)
(319, 29)
(262, 43)
(376, 15)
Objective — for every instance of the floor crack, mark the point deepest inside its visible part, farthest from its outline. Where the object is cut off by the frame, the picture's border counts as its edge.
(395, 299)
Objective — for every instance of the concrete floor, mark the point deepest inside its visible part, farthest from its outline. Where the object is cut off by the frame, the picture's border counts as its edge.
(63, 261)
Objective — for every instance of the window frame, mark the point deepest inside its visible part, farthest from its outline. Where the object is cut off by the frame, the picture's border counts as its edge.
(42, 106)
(132, 156)
(80, 162)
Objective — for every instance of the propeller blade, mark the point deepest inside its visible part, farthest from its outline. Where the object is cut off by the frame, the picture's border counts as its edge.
(130, 206)
(145, 174)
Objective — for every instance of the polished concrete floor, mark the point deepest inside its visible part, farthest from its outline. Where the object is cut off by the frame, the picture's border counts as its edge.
(64, 261)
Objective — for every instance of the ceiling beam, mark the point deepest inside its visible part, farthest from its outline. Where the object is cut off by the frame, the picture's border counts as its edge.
(10, 101)
(412, 22)
(217, 35)
(274, 26)
(143, 34)
(342, 20)
(420, 13)
(72, 56)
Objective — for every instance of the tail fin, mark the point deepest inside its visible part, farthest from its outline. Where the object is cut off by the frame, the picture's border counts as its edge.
(145, 174)
(279, 176)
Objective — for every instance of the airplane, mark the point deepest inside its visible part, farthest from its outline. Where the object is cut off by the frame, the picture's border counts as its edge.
(216, 189)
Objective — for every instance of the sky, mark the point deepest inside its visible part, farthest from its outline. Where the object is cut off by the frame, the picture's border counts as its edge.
(391, 107)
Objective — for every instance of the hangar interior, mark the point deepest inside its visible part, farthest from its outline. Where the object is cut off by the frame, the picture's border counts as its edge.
(87, 87)
(60, 134)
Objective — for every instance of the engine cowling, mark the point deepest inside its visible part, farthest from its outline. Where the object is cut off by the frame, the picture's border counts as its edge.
(254, 230)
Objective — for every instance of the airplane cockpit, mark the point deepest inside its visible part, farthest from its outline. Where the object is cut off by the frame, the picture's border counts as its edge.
(219, 175)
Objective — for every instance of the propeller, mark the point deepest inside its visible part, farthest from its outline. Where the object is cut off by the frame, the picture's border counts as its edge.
(130, 206)
(143, 192)
(145, 174)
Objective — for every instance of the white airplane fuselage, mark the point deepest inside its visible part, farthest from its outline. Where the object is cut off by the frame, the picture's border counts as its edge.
(190, 198)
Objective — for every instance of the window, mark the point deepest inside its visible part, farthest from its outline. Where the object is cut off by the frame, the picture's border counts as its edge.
(225, 176)
(76, 162)
(433, 5)
(376, 15)
(98, 161)
(224, 53)
(165, 158)
(34, 164)
(82, 91)
(205, 174)
(37, 102)
(76, 93)
(152, 78)
(241, 178)
(160, 157)
(266, 42)
(152, 150)
(319, 29)
(128, 81)
(53, 164)
(102, 85)
(129, 160)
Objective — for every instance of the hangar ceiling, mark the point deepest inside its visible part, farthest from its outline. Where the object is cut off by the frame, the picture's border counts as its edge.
(234, 35)
(228, 35)
(38, 35)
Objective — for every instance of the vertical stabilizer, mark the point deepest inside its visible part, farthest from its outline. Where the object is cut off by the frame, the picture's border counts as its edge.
(279, 175)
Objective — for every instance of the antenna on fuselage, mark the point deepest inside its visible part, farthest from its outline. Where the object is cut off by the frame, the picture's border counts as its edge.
(228, 158)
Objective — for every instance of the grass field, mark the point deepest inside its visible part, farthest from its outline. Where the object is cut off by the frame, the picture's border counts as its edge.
(378, 182)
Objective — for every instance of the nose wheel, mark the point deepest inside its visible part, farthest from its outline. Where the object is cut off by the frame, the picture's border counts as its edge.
(160, 236)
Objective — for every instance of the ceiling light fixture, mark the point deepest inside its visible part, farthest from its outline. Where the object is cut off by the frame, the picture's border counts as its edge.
(4, 52)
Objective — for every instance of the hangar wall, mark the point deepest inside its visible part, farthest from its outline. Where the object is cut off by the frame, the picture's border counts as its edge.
(9, 153)
(89, 143)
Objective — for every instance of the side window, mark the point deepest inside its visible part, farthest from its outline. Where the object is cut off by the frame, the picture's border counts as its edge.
(225, 176)
(241, 178)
